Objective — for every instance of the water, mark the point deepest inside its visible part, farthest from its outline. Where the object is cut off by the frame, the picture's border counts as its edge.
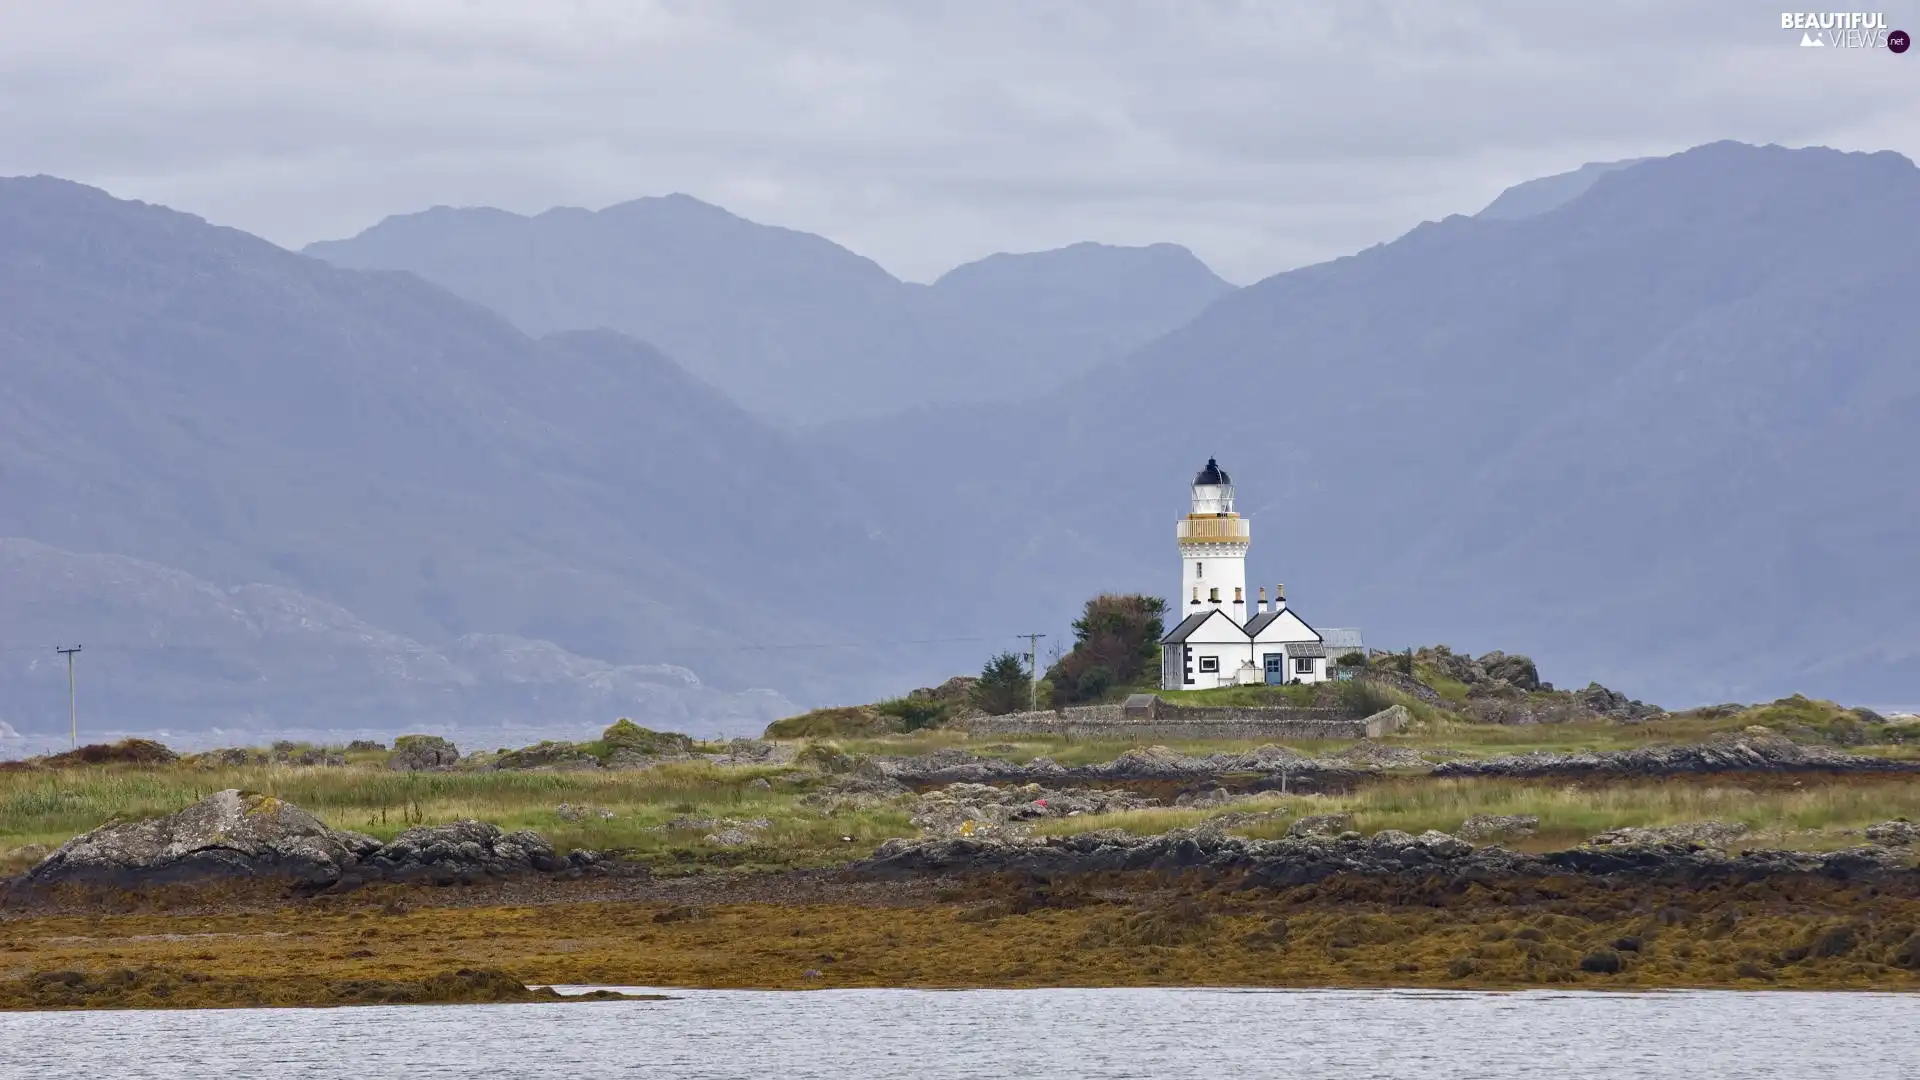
(1006, 1035)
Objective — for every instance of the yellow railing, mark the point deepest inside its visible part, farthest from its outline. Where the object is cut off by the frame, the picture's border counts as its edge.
(1214, 529)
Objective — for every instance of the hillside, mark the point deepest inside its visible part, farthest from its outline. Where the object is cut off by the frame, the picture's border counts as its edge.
(789, 324)
(197, 398)
(166, 649)
(1661, 431)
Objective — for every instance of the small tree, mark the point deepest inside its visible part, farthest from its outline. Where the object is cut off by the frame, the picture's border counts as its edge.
(1116, 645)
(1004, 686)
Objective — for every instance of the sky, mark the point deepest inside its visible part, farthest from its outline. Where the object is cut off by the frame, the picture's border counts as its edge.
(921, 133)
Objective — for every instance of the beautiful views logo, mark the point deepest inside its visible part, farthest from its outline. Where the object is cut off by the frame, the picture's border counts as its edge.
(1845, 30)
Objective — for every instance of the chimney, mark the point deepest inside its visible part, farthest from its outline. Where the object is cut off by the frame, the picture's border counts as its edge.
(1196, 594)
(1263, 599)
(1280, 597)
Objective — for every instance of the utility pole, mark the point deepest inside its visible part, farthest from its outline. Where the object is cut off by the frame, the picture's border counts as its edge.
(73, 714)
(1033, 670)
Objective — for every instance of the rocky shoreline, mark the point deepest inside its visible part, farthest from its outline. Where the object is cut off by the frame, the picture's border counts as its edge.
(1439, 859)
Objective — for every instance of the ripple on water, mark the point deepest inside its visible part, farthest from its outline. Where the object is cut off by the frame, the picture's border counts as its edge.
(1096, 1034)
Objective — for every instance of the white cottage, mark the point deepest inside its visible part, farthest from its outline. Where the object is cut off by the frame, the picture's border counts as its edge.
(1219, 641)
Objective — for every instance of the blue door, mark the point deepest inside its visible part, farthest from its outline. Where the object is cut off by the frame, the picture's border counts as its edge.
(1276, 668)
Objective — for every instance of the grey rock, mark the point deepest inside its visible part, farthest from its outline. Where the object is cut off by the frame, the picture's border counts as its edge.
(1898, 833)
(570, 812)
(422, 753)
(1718, 834)
(230, 833)
(1498, 826)
(1758, 750)
(462, 852)
(1321, 825)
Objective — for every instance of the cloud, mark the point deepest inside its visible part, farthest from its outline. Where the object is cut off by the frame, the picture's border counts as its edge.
(1263, 135)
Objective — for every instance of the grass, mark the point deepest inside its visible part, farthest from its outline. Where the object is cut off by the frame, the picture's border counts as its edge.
(1811, 815)
(45, 808)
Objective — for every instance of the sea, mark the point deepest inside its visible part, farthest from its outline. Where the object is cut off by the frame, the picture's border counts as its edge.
(1006, 1034)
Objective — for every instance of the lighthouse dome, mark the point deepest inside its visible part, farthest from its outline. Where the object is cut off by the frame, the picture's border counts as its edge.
(1212, 476)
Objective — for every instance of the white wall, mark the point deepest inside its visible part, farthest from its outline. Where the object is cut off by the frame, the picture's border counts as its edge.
(1211, 567)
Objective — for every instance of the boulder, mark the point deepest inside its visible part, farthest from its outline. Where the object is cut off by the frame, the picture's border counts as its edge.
(1614, 704)
(1713, 834)
(422, 753)
(466, 851)
(1515, 670)
(624, 734)
(570, 812)
(1896, 833)
(1321, 825)
(547, 755)
(230, 833)
(1498, 826)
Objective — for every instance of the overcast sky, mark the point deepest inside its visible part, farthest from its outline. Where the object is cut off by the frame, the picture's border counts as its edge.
(923, 133)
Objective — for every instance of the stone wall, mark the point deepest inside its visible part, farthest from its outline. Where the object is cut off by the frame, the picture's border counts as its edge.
(1163, 720)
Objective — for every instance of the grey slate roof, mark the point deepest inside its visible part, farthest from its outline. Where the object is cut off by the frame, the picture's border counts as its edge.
(1191, 623)
(1342, 639)
(1259, 622)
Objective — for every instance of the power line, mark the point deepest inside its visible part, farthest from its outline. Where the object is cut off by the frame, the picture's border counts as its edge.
(664, 648)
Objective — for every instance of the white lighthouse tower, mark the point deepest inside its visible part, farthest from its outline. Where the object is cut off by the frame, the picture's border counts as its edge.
(1213, 550)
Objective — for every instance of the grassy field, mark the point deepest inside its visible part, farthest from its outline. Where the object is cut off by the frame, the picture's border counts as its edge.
(1816, 814)
(45, 808)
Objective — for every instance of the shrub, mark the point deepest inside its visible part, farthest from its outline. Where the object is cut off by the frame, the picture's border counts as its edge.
(915, 713)
(1364, 697)
(1116, 645)
(1003, 686)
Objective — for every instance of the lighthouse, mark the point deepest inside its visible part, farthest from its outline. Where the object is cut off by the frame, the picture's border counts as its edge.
(1213, 543)
(1226, 638)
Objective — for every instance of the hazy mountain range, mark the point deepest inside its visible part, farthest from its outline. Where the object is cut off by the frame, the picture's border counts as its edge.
(1652, 424)
(791, 325)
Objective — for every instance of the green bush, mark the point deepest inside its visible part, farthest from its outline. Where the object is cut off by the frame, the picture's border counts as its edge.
(1004, 686)
(839, 722)
(1364, 697)
(1116, 646)
(915, 714)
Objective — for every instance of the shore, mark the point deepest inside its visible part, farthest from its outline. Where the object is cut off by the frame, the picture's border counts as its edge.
(251, 945)
(1740, 859)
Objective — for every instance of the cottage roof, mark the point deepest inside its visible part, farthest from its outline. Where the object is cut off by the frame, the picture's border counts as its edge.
(1342, 639)
(1193, 622)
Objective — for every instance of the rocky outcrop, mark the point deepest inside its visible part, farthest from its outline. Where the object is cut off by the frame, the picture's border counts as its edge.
(1896, 833)
(1145, 763)
(463, 852)
(1498, 826)
(549, 755)
(1321, 825)
(1615, 705)
(965, 809)
(1753, 751)
(422, 753)
(244, 834)
(1433, 858)
(227, 834)
(1717, 834)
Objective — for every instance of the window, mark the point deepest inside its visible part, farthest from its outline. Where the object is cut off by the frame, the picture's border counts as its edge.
(1209, 663)
(1213, 596)
(1303, 665)
(1199, 570)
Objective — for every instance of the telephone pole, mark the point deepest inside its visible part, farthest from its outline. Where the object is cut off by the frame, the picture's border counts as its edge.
(73, 715)
(1033, 669)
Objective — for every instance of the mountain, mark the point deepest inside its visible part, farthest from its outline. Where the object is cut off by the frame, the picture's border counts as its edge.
(793, 326)
(196, 398)
(1658, 435)
(1541, 195)
(164, 648)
